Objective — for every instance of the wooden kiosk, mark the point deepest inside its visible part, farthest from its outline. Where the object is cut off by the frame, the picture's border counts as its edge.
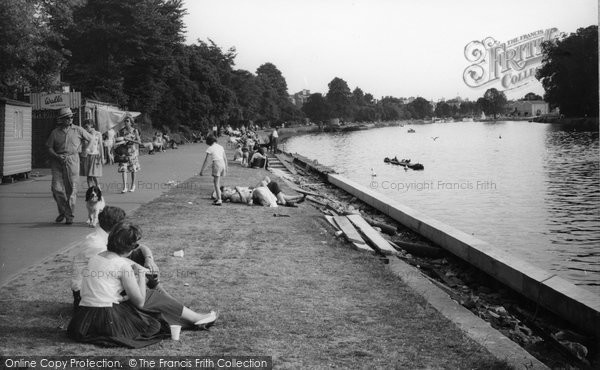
(15, 139)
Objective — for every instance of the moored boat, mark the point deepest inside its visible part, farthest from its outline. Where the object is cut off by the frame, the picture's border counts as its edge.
(405, 163)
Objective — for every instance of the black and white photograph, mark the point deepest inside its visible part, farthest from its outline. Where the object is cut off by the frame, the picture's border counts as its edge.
(268, 184)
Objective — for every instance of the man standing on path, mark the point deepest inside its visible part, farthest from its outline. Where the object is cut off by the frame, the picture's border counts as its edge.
(64, 145)
(275, 138)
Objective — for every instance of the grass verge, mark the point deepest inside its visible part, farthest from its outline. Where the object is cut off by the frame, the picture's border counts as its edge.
(285, 287)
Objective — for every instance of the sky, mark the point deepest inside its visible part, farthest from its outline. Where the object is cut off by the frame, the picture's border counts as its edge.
(398, 48)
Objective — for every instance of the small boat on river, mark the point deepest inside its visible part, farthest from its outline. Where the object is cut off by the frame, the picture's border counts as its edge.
(404, 163)
(411, 131)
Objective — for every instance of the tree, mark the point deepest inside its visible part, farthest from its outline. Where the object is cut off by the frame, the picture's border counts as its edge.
(483, 104)
(124, 50)
(420, 108)
(31, 50)
(531, 96)
(275, 105)
(469, 108)
(569, 72)
(339, 98)
(248, 93)
(495, 102)
(369, 100)
(443, 109)
(272, 78)
(316, 108)
(391, 108)
(358, 97)
(366, 114)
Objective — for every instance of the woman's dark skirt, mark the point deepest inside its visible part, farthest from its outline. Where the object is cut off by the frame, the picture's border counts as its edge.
(122, 325)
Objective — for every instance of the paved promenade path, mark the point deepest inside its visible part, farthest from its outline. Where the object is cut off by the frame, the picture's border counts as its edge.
(285, 286)
(28, 233)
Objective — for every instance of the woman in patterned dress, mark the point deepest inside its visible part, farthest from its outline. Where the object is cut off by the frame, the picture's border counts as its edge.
(129, 136)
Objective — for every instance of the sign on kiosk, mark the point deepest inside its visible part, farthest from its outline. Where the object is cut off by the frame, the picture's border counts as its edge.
(55, 101)
(41, 101)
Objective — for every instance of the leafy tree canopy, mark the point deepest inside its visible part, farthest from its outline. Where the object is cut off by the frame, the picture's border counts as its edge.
(124, 49)
(532, 96)
(339, 98)
(420, 108)
(494, 102)
(316, 108)
(569, 72)
(31, 44)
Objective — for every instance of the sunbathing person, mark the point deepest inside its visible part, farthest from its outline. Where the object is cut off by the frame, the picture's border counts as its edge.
(260, 195)
(282, 199)
(237, 194)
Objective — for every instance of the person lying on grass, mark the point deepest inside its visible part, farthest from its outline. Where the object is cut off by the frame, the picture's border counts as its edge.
(260, 195)
(267, 194)
(282, 198)
(117, 309)
(238, 194)
(95, 243)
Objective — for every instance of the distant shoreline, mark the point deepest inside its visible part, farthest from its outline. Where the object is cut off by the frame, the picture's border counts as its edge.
(567, 121)
(288, 132)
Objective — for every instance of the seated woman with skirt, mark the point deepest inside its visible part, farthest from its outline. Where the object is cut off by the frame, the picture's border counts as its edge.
(117, 309)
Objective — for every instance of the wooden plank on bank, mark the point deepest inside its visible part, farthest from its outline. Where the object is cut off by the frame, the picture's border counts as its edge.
(330, 220)
(346, 226)
(372, 235)
(351, 233)
(286, 164)
(316, 201)
(300, 190)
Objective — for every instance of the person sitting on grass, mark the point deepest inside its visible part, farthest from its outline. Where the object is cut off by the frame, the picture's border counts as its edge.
(95, 243)
(215, 154)
(158, 142)
(282, 199)
(237, 155)
(117, 309)
(259, 159)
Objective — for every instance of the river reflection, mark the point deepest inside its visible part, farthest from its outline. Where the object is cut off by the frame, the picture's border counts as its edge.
(572, 197)
(528, 188)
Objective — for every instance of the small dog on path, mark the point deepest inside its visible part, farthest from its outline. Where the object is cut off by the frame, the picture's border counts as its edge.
(94, 203)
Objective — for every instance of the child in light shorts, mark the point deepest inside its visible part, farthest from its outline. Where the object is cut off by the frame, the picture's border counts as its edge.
(215, 154)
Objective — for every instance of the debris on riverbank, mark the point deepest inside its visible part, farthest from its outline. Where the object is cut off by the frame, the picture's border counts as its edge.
(538, 331)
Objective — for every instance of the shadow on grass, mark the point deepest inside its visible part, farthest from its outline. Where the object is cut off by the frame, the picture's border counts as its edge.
(22, 320)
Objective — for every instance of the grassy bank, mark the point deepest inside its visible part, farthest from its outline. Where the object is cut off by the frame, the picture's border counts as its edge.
(285, 287)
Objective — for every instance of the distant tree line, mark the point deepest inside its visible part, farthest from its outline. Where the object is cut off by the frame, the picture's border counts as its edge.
(132, 53)
(356, 106)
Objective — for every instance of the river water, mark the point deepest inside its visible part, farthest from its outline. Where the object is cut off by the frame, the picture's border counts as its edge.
(531, 189)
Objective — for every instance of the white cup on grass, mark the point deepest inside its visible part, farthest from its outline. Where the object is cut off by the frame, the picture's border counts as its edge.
(175, 331)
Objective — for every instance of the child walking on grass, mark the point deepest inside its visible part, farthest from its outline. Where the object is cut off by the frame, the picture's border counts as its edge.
(216, 155)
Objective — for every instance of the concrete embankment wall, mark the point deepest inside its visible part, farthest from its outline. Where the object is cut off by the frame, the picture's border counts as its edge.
(576, 305)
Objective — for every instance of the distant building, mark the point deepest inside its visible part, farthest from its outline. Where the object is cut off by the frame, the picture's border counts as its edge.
(299, 98)
(528, 108)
